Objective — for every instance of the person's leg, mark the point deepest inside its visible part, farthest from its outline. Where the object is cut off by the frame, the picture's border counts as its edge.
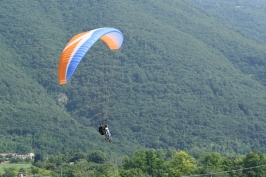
(110, 137)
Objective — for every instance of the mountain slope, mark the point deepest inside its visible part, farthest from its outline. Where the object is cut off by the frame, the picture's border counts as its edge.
(182, 78)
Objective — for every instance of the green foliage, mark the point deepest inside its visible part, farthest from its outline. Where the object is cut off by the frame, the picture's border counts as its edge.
(181, 164)
(38, 157)
(254, 158)
(147, 163)
(133, 172)
(214, 161)
(11, 168)
(10, 172)
(189, 76)
(97, 157)
(40, 171)
(78, 156)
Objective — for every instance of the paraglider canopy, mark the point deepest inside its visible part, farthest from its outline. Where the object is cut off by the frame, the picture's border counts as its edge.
(79, 45)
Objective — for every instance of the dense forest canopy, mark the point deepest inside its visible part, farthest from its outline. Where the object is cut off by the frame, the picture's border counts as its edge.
(190, 75)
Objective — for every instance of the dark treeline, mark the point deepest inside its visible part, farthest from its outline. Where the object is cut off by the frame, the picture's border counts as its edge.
(147, 162)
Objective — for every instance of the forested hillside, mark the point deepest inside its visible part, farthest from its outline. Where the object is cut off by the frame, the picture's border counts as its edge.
(184, 78)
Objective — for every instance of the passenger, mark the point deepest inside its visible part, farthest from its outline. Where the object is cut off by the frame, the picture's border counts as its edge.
(108, 134)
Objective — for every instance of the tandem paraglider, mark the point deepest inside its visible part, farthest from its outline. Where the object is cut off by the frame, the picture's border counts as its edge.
(76, 49)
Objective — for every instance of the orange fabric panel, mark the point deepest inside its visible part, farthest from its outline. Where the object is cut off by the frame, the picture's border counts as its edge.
(76, 36)
(63, 62)
(110, 42)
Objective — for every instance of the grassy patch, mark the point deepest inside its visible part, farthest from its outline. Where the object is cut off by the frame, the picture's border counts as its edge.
(17, 166)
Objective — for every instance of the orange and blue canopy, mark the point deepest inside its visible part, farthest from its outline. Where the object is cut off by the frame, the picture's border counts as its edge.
(79, 45)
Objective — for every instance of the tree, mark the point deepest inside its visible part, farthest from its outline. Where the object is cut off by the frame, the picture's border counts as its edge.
(213, 162)
(106, 169)
(146, 161)
(38, 157)
(181, 164)
(39, 164)
(97, 156)
(10, 172)
(23, 149)
(40, 171)
(1, 158)
(77, 156)
(133, 172)
(27, 160)
(16, 160)
(50, 166)
(253, 159)
(22, 170)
